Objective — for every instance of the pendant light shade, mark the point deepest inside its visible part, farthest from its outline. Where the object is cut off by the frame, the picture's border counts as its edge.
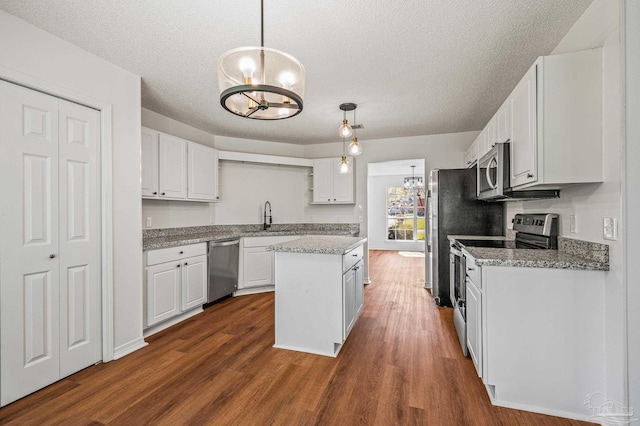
(261, 83)
(344, 166)
(355, 148)
(345, 131)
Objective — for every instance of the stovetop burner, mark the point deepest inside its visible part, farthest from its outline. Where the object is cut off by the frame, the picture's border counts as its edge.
(534, 231)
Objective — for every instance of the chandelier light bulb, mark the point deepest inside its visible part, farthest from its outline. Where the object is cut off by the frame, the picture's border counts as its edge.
(345, 130)
(344, 166)
(355, 148)
(247, 67)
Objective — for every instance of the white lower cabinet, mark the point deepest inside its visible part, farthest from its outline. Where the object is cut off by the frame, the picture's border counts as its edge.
(474, 324)
(352, 297)
(257, 263)
(176, 281)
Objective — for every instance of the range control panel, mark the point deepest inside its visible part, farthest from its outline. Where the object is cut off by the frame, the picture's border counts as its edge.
(536, 223)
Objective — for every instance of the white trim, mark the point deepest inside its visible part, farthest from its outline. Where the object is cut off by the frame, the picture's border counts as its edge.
(535, 409)
(254, 290)
(128, 348)
(170, 322)
(265, 159)
(106, 165)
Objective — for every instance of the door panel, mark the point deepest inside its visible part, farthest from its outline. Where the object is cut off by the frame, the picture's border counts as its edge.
(194, 282)
(163, 292)
(50, 278)
(29, 278)
(80, 260)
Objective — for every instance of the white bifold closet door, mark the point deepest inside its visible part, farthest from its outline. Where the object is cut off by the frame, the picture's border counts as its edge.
(50, 260)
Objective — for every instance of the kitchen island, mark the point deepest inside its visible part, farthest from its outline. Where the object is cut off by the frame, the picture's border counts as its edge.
(318, 292)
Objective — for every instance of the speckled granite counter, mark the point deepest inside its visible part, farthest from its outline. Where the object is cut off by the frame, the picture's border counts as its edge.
(571, 254)
(320, 244)
(171, 237)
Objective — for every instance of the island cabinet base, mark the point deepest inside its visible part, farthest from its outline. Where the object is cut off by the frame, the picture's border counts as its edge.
(309, 302)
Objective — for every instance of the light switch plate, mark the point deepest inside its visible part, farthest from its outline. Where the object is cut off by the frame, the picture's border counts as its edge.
(148, 222)
(610, 228)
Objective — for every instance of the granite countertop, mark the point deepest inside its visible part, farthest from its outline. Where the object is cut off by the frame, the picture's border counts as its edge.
(319, 244)
(171, 237)
(571, 254)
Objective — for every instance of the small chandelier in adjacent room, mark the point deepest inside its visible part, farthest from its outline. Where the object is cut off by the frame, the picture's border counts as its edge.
(261, 83)
(413, 182)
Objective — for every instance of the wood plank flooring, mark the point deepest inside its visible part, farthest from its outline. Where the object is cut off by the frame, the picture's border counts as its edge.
(402, 364)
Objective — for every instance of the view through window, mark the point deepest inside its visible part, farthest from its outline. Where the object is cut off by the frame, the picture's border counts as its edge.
(405, 214)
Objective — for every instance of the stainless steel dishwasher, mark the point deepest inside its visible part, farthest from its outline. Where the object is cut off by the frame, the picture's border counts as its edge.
(223, 268)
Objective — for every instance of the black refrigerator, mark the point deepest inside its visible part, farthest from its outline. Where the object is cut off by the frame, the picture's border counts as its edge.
(453, 210)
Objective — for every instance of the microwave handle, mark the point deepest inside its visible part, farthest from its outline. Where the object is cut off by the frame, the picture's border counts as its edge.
(492, 161)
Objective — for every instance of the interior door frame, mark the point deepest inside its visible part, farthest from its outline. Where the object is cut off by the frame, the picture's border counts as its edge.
(106, 188)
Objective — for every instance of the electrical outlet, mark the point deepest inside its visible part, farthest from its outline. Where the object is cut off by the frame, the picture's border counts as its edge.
(610, 228)
(360, 219)
(573, 224)
(148, 222)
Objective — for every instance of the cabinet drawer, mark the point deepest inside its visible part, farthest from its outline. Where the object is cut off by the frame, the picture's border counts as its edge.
(175, 253)
(473, 272)
(352, 257)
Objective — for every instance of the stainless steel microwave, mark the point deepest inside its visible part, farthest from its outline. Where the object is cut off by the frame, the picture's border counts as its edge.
(494, 179)
(493, 173)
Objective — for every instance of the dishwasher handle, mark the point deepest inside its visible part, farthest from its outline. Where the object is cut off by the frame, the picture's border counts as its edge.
(223, 243)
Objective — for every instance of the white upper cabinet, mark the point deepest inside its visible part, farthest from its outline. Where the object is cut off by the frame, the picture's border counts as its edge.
(471, 155)
(330, 186)
(491, 134)
(172, 167)
(503, 123)
(523, 130)
(556, 122)
(177, 169)
(483, 148)
(203, 172)
(149, 162)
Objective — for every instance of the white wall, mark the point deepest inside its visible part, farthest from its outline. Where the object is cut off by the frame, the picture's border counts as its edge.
(632, 200)
(29, 51)
(439, 151)
(591, 203)
(377, 213)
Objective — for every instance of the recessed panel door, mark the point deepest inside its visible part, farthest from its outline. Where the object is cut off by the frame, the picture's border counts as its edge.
(29, 269)
(80, 272)
(194, 282)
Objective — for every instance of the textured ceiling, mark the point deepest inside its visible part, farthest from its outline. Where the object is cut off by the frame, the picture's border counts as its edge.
(414, 67)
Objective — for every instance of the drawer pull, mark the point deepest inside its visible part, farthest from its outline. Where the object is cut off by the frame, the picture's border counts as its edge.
(180, 252)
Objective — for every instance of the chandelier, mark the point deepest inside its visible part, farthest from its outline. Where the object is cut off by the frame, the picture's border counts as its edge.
(413, 182)
(261, 83)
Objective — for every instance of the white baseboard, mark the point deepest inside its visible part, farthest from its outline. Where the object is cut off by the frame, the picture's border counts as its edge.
(128, 348)
(254, 290)
(172, 321)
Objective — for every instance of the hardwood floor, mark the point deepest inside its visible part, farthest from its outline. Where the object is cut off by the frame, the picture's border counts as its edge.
(402, 364)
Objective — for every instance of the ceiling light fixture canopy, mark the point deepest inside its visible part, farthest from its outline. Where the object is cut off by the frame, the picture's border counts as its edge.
(261, 83)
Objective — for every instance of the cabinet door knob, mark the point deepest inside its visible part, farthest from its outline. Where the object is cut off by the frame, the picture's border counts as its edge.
(328, 199)
(529, 175)
(155, 193)
(334, 199)
(179, 265)
(180, 252)
(185, 263)
(52, 256)
(162, 193)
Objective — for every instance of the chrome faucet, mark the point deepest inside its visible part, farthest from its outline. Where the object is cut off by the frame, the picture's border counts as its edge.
(266, 225)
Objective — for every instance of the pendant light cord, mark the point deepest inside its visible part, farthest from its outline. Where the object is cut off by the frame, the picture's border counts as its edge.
(262, 50)
(261, 23)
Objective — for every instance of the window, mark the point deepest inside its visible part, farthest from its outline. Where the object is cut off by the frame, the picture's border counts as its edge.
(405, 214)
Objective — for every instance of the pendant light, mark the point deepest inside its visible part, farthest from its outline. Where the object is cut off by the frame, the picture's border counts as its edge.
(345, 131)
(355, 148)
(413, 182)
(344, 166)
(261, 83)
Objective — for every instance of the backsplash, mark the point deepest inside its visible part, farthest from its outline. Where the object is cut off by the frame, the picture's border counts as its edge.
(586, 249)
